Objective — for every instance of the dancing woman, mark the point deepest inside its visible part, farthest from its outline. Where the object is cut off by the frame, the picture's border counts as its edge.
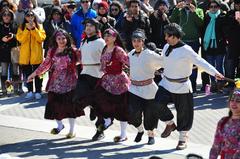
(111, 93)
(61, 63)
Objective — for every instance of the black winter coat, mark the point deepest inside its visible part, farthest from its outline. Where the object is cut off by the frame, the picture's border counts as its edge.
(129, 27)
(232, 32)
(5, 47)
(220, 37)
(157, 34)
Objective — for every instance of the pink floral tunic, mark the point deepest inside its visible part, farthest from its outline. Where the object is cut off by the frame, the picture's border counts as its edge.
(227, 140)
(63, 76)
(115, 83)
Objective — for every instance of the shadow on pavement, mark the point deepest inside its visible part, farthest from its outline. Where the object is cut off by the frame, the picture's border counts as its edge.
(62, 148)
(214, 101)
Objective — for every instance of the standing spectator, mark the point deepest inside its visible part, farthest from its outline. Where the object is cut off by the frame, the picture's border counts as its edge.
(134, 19)
(232, 31)
(158, 19)
(24, 6)
(70, 8)
(55, 22)
(205, 6)
(116, 9)
(31, 36)
(190, 18)
(8, 31)
(78, 17)
(226, 141)
(214, 42)
(104, 19)
(175, 86)
(111, 95)
(48, 8)
(8, 4)
(61, 62)
(95, 4)
(146, 7)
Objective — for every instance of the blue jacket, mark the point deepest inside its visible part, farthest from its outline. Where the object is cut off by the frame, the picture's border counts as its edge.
(76, 23)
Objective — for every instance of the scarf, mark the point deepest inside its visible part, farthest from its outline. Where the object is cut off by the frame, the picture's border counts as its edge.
(210, 34)
(92, 38)
(170, 47)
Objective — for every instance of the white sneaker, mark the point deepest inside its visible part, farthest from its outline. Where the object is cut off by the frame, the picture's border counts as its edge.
(38, 96)
(29, 95)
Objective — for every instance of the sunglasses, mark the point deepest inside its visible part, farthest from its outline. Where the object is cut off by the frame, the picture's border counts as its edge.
(114, 9)
(29, 15)
(71, 6)
(56, 13)
(84, 1)
(6, 15)
(213, 6)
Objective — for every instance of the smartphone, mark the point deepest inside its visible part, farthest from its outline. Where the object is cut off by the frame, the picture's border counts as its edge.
(9, 35)
(237, 15)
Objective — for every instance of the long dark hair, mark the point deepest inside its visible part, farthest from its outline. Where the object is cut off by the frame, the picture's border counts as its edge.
(53, 43)
(25, 21)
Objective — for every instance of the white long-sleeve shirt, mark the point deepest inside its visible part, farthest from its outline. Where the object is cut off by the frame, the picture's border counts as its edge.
(90, 54)
(179, 64)
(143, 67)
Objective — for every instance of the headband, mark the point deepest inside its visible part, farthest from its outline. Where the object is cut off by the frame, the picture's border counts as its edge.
(111, 32)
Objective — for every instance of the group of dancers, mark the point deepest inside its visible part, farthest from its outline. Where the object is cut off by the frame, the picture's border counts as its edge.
(120, 85)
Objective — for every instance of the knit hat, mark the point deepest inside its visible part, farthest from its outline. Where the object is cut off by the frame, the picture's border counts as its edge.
(56, 9)
(104, 5)
(159, 2)
(214, 1)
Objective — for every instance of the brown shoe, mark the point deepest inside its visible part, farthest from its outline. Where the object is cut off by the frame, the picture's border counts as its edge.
(181, 145)
(168, 130)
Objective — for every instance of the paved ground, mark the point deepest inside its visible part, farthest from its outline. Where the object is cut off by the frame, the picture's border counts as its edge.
(24, 133)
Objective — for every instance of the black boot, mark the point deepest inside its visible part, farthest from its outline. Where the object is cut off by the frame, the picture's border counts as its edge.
(138, 138)
(99, 134)
(4, 90)
(16, 80)
(151, 140)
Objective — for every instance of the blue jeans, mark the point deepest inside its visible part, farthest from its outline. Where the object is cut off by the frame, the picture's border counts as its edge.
(217, 62)
(193, 78)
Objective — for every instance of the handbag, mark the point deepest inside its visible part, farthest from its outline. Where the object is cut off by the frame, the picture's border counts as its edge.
(15, 51)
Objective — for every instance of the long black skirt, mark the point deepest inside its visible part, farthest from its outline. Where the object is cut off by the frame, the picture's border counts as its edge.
(110, 105)
(60, 106)
(83, 95)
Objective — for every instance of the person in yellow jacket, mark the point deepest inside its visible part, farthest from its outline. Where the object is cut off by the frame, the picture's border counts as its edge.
(31, 36)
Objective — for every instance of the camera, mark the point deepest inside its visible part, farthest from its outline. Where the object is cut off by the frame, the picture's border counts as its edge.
(187, 6)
